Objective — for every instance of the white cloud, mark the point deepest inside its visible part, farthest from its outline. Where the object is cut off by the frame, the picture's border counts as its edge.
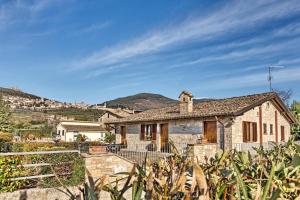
(230, 18)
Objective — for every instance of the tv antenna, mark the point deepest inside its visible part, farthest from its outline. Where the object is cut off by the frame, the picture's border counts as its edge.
(270, 77)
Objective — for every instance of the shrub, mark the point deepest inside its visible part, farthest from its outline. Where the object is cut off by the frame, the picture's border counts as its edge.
(69, 167)
(110, 138)
(10, 168)
(6, 137)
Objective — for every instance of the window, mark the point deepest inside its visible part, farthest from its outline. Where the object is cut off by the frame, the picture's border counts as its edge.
(249, 131)
(63, 132)
(148, 132)
(268, 106)
(282, 133)
(271, 129)
(265, 129)
(58, 132)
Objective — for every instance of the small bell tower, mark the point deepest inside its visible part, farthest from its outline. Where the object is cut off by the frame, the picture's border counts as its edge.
(185, 102)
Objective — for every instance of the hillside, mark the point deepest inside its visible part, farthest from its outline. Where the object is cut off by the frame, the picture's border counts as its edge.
(142, 101)
(18, 93)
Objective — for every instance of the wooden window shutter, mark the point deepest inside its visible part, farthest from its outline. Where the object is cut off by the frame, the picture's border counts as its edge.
(142, 135)
(282, 133)
(254, 127)
(154, 130)
(244, 131)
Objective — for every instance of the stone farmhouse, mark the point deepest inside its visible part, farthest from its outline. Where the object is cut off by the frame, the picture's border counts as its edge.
(113, 114)
(69, 130)
(237, 122)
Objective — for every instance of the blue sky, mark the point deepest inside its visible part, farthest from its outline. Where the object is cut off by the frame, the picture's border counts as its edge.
(92, 51)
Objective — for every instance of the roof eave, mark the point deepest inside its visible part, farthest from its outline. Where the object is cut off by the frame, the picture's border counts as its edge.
(172, 118)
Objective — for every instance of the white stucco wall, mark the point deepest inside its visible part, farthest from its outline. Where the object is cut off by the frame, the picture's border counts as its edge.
(68, 136)
(92, 136)
(59, 131)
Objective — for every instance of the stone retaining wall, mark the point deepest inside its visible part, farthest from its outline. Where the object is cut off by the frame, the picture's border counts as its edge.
(204, 150)
(38, 194)
(108, 164)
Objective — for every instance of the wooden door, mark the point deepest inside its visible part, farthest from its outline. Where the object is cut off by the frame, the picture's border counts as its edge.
(164, 136)
(123, 134)
(210, 131)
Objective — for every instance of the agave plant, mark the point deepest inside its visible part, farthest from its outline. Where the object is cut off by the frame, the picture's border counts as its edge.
(270, 174)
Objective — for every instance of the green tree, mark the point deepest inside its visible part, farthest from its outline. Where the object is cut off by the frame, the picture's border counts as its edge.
(110, 138)
(296, 110)
(4, 115)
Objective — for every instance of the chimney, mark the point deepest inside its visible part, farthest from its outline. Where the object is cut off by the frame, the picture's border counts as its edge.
(185, 102)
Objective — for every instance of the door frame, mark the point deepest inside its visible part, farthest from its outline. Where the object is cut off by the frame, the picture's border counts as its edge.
(123, 134)
(205, 129)
(164, 140)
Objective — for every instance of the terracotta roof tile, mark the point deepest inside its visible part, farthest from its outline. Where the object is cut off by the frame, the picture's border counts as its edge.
(83, 128)
(218, 107)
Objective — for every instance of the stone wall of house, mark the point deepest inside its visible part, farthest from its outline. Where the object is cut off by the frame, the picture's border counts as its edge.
(227, 137)
(185, 131)
(268, 117)
(39, 193)
(202, 151)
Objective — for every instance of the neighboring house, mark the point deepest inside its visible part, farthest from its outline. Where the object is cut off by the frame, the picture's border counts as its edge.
(68, 130)
(237, 122)
(113, 114)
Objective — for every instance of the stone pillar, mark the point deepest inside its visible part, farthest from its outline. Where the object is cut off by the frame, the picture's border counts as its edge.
(220, 135)
(158, 137)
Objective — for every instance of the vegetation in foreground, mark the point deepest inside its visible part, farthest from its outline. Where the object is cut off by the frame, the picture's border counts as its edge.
(270, 174)
(69, 167)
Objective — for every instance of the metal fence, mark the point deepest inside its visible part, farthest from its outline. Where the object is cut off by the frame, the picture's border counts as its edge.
(138, 152)
(250, 146)
(37, 163)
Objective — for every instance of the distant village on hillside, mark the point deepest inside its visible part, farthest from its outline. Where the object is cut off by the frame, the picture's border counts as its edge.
(34, 103)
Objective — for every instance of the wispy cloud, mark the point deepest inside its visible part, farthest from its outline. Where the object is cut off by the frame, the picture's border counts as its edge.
(230, 18)
(257, 79)
(18, 11)
(246, 53)
(94, 27)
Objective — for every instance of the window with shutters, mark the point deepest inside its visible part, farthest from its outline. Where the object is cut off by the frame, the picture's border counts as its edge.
(148, 132)
(265, 129)
(249, 131)
(271, 129)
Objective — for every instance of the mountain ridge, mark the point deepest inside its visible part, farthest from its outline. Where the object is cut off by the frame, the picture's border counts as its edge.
(142, 101)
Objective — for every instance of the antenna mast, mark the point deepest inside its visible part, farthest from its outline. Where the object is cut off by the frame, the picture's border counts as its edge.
(270, 74)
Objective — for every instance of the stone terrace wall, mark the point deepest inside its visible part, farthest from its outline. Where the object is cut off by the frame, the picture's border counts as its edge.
(108, 164)
(204, 150)
(38, 194)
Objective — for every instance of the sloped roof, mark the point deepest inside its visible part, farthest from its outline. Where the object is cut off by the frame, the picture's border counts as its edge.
(219, 107)
(87, 128)
(186, 93)
(118, 112)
